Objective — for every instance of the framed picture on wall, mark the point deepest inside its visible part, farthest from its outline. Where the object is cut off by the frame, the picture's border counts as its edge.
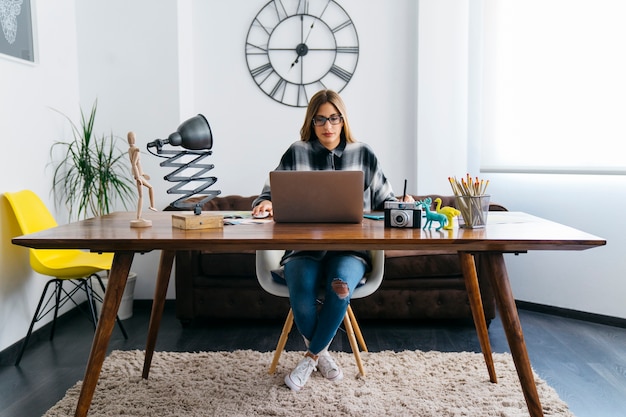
(16, 37)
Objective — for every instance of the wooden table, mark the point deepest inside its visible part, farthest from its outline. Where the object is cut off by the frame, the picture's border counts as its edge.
(506, 232)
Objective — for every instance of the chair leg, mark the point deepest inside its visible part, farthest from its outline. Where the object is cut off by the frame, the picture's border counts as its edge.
(33, 321)
(91, 304)
(58, 292)
(282, 341)
(357, 329)
(353, 343)
(353, 332)
(117, 318)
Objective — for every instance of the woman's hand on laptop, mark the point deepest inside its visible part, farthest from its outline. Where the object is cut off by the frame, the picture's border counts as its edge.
(263, 209)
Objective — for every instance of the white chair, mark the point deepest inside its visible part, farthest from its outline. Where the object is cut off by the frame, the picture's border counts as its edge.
(268, 260)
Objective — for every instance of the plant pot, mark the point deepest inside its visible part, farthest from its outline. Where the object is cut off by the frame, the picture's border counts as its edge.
(126, 306)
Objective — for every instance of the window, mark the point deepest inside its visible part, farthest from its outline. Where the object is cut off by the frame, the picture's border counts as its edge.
(554, 86)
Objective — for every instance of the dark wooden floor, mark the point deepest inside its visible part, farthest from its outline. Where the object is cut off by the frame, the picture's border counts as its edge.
(585, 362)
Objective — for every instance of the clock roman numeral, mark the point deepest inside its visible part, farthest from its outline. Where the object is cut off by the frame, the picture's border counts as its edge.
(262, 26)
(347, 49)
(280, 86)
(303, 7)
(281, 12)
(252, 49)
(324, 9)
(261, 70)
(302, 96)
(342, 26)
(341, 73)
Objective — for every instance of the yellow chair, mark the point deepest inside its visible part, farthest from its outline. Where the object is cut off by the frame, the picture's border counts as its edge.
(65, 265)
(269, 260)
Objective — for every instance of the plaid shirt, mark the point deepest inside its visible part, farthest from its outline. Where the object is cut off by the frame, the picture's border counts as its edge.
(356, 156)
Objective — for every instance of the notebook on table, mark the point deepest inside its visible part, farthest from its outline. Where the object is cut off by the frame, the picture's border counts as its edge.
(317, 196)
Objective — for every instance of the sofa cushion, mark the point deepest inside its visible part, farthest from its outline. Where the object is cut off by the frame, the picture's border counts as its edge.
(415, 264)
(226, 203)
(224, 264)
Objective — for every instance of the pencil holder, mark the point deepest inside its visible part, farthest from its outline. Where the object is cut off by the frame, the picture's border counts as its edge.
(473, 210)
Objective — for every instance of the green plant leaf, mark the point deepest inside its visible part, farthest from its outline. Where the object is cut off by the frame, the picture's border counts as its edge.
(92, 174)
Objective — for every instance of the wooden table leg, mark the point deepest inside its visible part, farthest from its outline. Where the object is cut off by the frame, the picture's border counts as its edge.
(111, 303)
(163, 279)
(510, 321)
(468, 267)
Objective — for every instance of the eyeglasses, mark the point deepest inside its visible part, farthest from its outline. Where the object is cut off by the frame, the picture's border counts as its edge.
(334, 119)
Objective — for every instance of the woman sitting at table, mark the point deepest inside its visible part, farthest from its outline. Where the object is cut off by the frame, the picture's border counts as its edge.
(326, 143)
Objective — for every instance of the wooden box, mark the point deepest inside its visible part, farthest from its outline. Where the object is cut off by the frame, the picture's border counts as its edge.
(197, 221)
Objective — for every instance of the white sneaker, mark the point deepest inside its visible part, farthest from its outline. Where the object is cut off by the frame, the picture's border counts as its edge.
(299, 376)
(327, 366)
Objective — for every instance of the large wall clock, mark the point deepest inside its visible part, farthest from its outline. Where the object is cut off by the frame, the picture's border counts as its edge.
(295, 48)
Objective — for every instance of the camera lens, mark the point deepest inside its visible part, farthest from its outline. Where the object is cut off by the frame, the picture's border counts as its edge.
(401, 219)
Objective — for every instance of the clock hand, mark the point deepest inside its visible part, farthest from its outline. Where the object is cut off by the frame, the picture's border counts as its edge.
(313, 23)
(294, 62)
(302, 49)
(306, 11)
(310, 30)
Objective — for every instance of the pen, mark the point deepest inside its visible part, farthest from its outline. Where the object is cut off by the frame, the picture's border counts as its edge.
(404, 194)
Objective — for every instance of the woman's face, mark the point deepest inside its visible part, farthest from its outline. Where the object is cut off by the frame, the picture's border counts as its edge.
(328, 134)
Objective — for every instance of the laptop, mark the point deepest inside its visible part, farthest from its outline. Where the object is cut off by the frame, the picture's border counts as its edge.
(317, 196)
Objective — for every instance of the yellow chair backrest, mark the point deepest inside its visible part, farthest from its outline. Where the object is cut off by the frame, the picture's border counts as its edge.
(33, 216)
(31, 213)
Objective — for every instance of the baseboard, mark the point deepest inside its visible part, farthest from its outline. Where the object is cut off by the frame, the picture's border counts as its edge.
(524, 305)
(572, 314)
(147, 304)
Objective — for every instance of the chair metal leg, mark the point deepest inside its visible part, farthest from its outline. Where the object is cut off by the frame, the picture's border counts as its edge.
(60, 298)
(117, 318)
(353, 343)
(33, 321)
(91, 304)
(58, 288)
(121, 326)
(282, 341)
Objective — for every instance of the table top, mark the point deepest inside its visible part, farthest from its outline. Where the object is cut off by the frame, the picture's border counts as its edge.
(505, 232)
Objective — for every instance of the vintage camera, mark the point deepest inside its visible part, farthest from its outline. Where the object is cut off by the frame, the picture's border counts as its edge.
(398, 214)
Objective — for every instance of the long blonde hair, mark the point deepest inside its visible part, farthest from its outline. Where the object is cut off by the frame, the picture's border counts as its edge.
(325, 96)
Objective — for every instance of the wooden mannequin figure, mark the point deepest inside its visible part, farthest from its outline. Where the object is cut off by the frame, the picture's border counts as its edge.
(141, 180)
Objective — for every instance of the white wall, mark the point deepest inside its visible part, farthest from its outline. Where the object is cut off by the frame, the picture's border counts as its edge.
(442, 111)
(590, 281)
(28, 127)
(152, 68)
(128, 55)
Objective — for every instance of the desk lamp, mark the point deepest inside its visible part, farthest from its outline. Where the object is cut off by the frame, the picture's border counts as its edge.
(195, 136)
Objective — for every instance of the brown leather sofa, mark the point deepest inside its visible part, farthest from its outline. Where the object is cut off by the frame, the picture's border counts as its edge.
(416, 286)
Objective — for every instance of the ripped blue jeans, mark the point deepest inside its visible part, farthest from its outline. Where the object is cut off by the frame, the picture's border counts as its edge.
(340, 275)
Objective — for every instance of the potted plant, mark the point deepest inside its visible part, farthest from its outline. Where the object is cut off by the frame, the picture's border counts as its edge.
(91, 175)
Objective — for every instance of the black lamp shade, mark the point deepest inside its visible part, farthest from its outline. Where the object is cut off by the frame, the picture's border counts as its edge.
(193, 134)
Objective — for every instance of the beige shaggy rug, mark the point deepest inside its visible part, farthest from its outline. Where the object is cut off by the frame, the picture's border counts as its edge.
(226, 384)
